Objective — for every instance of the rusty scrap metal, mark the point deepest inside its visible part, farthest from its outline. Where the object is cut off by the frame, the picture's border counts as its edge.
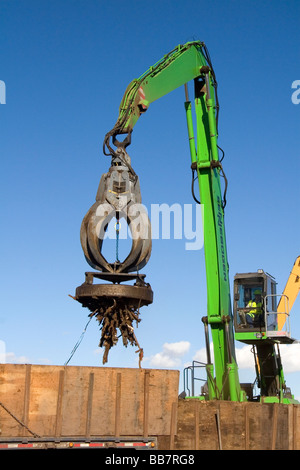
(118, 316)
(116, 307)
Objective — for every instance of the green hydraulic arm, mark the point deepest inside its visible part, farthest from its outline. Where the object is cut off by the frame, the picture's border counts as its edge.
(185, 63)
(176, 68)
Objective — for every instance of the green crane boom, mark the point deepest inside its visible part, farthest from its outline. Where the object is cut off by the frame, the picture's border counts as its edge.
(188, 62)
(183, 64)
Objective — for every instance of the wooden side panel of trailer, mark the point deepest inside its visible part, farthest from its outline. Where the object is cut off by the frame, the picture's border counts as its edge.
(62, 401)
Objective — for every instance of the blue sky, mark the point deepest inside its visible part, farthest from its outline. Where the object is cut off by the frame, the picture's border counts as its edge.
(66, 65)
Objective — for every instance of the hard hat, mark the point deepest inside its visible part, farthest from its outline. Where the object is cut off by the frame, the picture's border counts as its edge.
(257, 292)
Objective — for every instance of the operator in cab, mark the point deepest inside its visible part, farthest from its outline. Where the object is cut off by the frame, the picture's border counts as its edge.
(255, 315)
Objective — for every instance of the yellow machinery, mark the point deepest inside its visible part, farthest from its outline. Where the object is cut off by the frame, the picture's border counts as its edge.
(288, 296)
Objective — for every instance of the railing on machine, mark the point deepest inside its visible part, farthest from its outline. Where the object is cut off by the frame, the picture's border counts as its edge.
(189, 373)
(277, 323)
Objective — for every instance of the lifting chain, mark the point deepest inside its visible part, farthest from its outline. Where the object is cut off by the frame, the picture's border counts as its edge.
(117, 228)
(18, 421)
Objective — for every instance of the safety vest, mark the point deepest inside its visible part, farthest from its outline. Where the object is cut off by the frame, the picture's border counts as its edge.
(257, 308)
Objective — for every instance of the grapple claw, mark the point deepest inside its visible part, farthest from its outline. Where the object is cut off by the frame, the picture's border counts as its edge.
(118, 194)
(116, 306)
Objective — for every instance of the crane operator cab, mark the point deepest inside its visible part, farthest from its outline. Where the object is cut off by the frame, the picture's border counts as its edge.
(256, 316)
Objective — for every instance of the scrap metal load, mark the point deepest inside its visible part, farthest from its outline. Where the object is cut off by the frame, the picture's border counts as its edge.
(115, 305)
